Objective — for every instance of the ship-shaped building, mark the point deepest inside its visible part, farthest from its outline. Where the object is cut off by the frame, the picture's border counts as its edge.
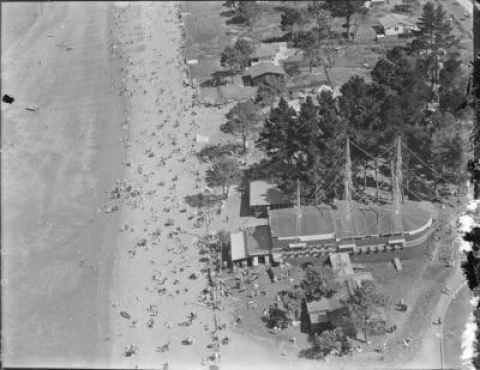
(348, 226)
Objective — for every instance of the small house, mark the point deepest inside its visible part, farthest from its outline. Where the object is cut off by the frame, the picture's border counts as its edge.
(272, 52)
(251, 246)
(328, 314)
(264, 72)
(263, 195)
(394, 25)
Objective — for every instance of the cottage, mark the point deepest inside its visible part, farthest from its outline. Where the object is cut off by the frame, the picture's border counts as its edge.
(263, 72)
(263, 195)
(328, 314)
(394, 25)
(251, 246)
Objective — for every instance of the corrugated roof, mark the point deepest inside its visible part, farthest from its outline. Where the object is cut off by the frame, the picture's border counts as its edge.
(226, 93)
(265, 50)
(311, 220)
(237, 246)
(392, 19)
(263, 68)
(317, 310)
(264, 193)
(364, 220)
(374, 220)
(258, 240)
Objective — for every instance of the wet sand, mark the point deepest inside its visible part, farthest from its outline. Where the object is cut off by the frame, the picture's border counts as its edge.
(57, 163)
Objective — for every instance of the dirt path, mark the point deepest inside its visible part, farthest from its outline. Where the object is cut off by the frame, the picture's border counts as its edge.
(57, 162)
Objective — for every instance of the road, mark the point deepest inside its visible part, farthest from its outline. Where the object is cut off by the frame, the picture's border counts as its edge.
(57, 163)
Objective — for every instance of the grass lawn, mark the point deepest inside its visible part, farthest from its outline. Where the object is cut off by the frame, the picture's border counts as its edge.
(206, 35)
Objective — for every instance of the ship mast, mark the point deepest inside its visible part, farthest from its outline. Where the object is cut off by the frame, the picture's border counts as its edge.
(397, 188)
(299, 211)
(348, 186)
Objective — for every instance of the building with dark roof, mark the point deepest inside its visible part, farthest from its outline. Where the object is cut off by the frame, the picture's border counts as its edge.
(264, 195)
(263, 72)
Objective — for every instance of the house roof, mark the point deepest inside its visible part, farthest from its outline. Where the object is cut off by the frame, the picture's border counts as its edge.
(238, 246)
(258, 240)
(392, 19)
(364, 220)
(309, 220)
(317, 310)
(373, 220)
(265, 50)
(264, 193)
(226, 93)
(264, 68)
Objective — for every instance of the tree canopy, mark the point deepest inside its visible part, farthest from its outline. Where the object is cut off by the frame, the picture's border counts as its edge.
(344, 9)
(223, 173)
(237, 57)
(319, 283)
(243, 120)
(365, 304)
(328, 342)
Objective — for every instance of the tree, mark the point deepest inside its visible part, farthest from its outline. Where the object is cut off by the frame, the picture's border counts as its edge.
(364, 304)
(206, 203)
(237, 57)
(433, 39)
(212, 152)
(247, 12)
(223, 173)
(243, 120)
(232, 4)
(309, 42)
(269, 88)
(346, 9)
(304, 147)
(273, 138)
(328, 342)
(471, 267)
(319, 283)
(447, 147)
(453, 83)
(292, 20)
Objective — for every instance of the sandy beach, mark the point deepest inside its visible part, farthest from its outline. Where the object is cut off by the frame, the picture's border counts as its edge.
(102, 263)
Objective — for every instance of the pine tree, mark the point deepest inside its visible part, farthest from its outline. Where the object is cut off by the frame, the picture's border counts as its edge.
(243, 120)
(344, 8)
(433, 39)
